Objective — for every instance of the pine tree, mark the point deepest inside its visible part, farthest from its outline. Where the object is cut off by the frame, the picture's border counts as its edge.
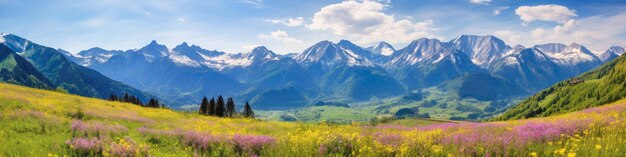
(126, 98)
(220, 109)
(247, 111)
(211, 107)
(151, 102)
(112, 97)
(204, 106)
(230, 107)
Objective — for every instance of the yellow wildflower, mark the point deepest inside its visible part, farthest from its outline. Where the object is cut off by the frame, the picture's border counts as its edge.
(571, 154)
(533, 154)
(561, 151)
(437, 148)
(598, 147)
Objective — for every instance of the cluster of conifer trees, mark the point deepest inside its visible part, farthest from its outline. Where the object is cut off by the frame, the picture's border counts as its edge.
(154, 103)
(220, 108)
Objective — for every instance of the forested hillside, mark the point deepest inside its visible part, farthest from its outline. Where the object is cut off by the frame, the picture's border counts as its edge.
(597, 87)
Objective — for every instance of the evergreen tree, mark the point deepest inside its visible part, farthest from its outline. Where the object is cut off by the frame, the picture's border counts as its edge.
(126, 98)
(211, 107)
(113, 97)
(247, 111)
(204, 106)
(220, 109)
(230, 107)
(151, 103)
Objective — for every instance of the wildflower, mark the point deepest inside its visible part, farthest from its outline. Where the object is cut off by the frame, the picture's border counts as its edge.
(252, 144)
(125, 147)
(533, 154)
(571, 154)
(85, 145)
(437, 148)
(598, 147)
(561, 151)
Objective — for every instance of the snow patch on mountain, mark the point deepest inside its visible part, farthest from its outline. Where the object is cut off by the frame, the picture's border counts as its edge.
(329, 54)
(482, 50)
(224, 61)
(183, 60)
(356, 60)
(382, 48)
(17, 44)
(569, 55)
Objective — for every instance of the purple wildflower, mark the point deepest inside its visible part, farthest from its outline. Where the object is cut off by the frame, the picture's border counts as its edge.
(85, 146)
(95, 128)
(252, 144)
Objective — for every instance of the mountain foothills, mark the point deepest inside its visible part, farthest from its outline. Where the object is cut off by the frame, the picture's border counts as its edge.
(598, 87)
(469, 68)
(34, 65)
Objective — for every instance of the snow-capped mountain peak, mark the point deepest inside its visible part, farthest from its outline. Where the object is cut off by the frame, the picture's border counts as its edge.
(483, 50)
(569, 55)
(95, 55)
(551, 47)
(382, 48)
(14, 42)
(328, 54)
(616, 50)
(154, 49)
(611, 53)
(426, 48)
(262, 53)
(423, 50)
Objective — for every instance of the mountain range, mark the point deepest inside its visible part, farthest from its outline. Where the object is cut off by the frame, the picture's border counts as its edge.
(26, 63)
(343, 71)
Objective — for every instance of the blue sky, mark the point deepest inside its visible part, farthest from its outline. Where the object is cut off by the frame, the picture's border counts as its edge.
(293, 25)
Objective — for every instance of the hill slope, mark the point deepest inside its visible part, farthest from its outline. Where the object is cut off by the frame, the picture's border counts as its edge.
(597, 87)
(17, 70)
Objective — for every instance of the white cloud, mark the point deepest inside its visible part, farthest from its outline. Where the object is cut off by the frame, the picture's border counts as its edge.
(181, 19)
(281, 36)
(499, 10)
(366, 23)
(568, 32)
(555, 13)
(508, 36)
(292, 22)
(597, 32)
(254, 3)
(480, 1)
(249, 48)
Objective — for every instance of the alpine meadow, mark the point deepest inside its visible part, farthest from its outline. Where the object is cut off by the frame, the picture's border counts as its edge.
(351, 78)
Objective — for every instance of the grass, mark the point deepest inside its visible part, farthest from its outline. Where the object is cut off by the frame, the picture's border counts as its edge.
(45, 123)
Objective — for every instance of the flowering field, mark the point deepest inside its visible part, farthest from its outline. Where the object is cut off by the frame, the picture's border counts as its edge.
(42, 123)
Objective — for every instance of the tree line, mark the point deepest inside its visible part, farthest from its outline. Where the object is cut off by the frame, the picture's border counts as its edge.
(154, 103)
(219, 108)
